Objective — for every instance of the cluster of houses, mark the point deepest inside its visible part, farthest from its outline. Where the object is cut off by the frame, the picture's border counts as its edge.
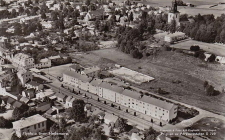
(147, 105)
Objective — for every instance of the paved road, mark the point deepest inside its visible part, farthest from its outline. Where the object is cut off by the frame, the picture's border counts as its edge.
(132, 120)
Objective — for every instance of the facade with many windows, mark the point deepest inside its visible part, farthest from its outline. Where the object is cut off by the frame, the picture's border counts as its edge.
(32, 125)
(153, 107)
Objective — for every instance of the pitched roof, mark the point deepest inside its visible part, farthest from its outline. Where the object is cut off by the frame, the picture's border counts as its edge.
(60, 95)
(50, 111)
(35, 119)
(79, 76)
(24, 99)
(10, 100)
(91, 70)
(111, 87)
(17, 104)
(75, 67)
(110, 117)
(157, 102)
(131, 94)
(96, 82)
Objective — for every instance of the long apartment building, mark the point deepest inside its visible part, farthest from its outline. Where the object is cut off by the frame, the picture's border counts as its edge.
(153, 107)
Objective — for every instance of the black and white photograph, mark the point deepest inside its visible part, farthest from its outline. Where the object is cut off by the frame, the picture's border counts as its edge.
(112, 69)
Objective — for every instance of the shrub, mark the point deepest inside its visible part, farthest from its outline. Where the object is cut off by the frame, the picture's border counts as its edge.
(212, 58)
(4, 123)
(194, 48)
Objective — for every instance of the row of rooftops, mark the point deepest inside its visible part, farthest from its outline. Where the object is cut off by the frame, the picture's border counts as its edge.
(129, 93)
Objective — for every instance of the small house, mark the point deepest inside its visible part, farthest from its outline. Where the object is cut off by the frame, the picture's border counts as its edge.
(110, 119)
(61, 97)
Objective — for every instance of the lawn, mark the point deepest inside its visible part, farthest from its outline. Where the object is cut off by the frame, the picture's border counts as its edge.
(7, 114)
(212, 48)
(5, 134)
(212, 126)
(166, 68)
(56, 70)
(195, 11)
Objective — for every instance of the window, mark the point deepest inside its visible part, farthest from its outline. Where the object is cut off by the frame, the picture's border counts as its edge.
(43, 124)
(39, 125)
(35, 126)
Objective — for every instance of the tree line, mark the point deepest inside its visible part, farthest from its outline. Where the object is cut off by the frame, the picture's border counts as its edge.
(205, 28)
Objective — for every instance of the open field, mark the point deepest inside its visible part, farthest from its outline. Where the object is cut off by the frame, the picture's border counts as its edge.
(167, 68)
(203, 11)
(131, 75)
(168, 2)
(56, 70)
(212, 48)
(212, 126)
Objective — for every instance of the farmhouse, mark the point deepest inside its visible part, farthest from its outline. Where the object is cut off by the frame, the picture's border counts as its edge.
(33, 124)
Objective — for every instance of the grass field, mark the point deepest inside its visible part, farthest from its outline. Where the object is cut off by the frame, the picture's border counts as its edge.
(203, 11)
(166, 68)
(212, 126)
(212, 48)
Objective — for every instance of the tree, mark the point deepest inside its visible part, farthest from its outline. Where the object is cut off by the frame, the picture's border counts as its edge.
(150, 134)
(172, 27)
(111, 131)
(131, 17)
(43, 15)
(87, 2)
(210, 90)
(206, 83)
(121, 124)
(62, 123)
(4, 123)
(194, 48)
(77, 111)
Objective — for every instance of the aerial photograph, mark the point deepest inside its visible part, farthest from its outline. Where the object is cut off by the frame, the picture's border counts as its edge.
(112, 69)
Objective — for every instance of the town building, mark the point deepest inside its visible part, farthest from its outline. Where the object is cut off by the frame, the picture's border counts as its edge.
(24, 76)
(69, 101)
(174, 14)
(110, 119)
(34, 85)
(33, 124)
(23, 60)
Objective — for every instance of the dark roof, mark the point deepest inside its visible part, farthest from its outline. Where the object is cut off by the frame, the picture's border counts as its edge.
(10, 100)
(132, 94)
(50, 111)
(17, 104)
(42, 104)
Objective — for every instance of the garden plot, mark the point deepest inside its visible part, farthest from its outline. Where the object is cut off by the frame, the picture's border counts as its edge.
(131, 75)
